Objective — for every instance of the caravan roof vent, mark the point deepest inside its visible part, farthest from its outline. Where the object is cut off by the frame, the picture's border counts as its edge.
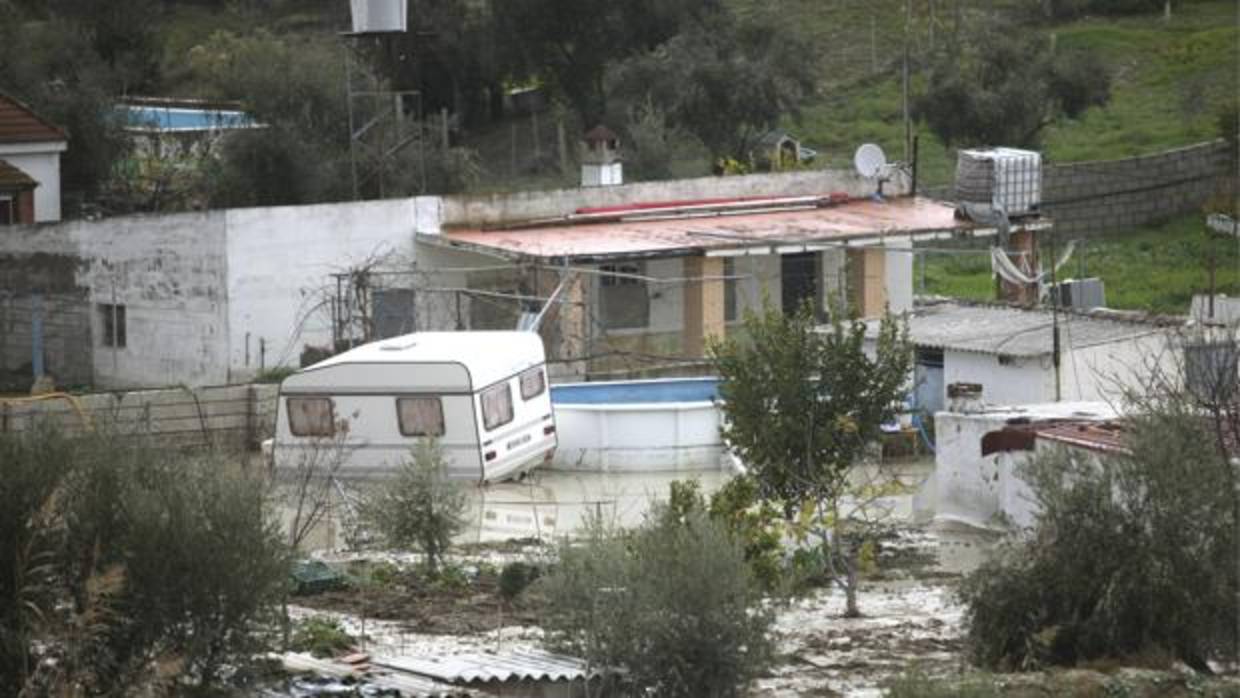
(398, 346)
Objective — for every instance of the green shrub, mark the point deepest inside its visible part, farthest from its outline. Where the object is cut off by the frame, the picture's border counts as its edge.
(135, 565)
(672, 602)
(320, 636)
(515, 577)
(420, 508)
(1131, 554)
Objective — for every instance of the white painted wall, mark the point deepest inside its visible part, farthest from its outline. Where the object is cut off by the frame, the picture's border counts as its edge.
(169, 272)
(1019, 382)
(833, 264)
(1103, 372)
(898, 272)
(975, 490)
(42, 162)
(281, 259)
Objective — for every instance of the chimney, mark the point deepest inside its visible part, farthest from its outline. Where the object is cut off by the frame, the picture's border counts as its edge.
(600, 161)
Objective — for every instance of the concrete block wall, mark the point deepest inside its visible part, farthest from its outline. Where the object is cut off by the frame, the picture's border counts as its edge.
(1090, 197)
(67, 352)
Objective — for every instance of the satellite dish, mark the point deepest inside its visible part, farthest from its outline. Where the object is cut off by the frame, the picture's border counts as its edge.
(869, 160)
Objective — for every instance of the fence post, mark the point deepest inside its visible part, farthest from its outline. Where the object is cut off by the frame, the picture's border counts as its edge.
(36, 334)
(251, 416)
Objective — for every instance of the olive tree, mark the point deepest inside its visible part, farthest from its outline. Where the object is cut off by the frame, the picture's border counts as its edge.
(803, 404)
(671, 605)
(125, 567)
(420, 508)
(1006, 87)
(1132, 550)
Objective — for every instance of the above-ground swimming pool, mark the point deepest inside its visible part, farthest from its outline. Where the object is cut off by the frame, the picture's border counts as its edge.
(159, 118)
(638, 426)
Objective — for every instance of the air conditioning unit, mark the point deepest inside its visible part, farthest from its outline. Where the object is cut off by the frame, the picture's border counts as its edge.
(1081, 294)
(1002, 178)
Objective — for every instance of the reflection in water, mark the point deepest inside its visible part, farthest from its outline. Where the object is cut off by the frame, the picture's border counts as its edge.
(550, 504)
(553, 503)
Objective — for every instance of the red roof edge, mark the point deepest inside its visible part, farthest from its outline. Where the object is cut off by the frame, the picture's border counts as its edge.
(34, 114)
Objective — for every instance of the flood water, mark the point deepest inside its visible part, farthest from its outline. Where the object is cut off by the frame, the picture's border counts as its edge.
(551, 504)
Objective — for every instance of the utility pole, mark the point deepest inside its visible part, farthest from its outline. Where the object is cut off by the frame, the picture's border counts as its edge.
(1213, 266)
(908, 128)
(1055, 352)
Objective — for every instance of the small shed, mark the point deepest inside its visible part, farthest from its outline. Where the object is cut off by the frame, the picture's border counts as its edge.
(777, 150)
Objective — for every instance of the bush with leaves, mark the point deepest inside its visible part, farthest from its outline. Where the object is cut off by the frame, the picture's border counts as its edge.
(122, 560)
(804, 404)
(1132, 552)
(1007, 86)
(420, 508)
(672, 604)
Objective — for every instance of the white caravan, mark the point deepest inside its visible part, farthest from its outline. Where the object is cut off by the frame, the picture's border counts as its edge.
(484, 395)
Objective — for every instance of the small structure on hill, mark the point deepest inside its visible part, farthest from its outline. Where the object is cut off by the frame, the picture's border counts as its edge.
(30, 148)
(601, 165)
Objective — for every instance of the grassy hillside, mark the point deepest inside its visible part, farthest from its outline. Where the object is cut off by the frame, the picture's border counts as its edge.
(1169, 80)
(1155, 268)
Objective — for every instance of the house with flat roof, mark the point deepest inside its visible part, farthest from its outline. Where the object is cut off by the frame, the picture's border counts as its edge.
(30, 148)
(1010, 352)
(639, 276)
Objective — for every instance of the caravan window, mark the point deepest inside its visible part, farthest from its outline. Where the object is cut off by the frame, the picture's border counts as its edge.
(420, 416)
(310, 416)
(496, 406)
(533, 383)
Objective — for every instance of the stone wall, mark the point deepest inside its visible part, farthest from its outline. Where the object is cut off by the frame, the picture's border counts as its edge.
(1088, 197)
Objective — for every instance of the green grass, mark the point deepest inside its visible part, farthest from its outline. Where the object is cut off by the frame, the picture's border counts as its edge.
(1170, 79)
(1154, 268)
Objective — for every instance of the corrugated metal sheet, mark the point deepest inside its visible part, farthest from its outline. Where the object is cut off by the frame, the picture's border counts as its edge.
(19, 124)
(1016, 332)
(514, 665)
(408, 685)
(687, 235)
(1104, 437)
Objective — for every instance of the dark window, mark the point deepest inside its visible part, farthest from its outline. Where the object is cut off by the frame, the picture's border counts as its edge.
(929, 356)
(533, 383)
(496, 406)
(311, 416)
(798, 280)
(113, 323)
(623, 300)
(420, 416)
(7, 212)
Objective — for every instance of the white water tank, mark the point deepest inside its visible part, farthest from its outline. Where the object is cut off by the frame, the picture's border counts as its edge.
(378, 16)
(1006, 178)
